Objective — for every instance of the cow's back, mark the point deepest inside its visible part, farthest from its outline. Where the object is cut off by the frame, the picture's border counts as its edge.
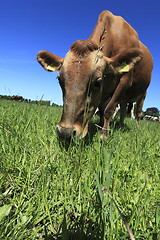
(119, 35)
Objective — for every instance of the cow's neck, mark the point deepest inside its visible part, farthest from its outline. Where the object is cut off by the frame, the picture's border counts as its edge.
(98, 34)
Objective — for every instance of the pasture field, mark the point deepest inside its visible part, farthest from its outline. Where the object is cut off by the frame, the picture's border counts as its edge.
(81, 191)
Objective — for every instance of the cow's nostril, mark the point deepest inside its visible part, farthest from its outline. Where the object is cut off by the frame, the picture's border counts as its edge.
(65, 133)
(74, 132)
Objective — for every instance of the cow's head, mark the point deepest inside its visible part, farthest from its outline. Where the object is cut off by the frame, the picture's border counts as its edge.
(81, 77)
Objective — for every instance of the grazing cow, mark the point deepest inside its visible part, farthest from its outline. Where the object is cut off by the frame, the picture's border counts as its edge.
(17, 98)
(129, 111)
(152, 118)
(112, 67)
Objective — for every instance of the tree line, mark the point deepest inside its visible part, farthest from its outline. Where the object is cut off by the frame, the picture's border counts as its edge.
(22, 99)
(153, 111)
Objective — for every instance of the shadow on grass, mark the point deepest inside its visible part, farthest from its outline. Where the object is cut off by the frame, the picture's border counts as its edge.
(116, 126)
(77, 232)
(73, 141)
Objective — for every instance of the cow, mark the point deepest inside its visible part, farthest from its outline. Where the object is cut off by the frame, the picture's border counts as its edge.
(152, 118)
(111, 67)
(17, 98)
(129, 110)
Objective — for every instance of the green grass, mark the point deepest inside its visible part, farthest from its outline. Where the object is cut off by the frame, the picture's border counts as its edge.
(48, 191)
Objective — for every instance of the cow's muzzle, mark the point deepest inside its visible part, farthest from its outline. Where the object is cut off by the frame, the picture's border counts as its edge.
(66, 132)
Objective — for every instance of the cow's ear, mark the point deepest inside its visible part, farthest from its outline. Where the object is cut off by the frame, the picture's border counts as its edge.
(124, 61)
(49, 61)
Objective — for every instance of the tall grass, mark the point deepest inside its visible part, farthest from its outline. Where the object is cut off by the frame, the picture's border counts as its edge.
(48, 191)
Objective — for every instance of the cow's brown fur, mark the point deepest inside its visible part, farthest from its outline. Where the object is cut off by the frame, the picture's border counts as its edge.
(83, 47)
(92, 75)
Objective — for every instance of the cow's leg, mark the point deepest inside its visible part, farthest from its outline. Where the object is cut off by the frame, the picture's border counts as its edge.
(131, 109)
(111, 106)
(123, 107)
(140, 103)
(102, 107)
(108, 113)
(132, 113)
(101, 118)
(116, 111)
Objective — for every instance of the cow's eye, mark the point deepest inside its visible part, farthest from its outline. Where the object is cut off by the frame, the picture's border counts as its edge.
(98, 83)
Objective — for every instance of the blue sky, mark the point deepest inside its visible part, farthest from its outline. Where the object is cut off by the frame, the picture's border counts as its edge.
(27, 27)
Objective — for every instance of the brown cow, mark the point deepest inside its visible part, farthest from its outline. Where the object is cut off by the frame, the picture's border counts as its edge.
(17, 98)
(109, 68)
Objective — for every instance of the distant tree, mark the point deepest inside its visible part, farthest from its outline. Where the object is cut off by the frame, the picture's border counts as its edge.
(43, 102)
(153, 111)
(6, 97)
(55, 105)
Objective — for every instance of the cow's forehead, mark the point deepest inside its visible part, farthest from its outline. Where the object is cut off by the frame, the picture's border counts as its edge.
(91, 61)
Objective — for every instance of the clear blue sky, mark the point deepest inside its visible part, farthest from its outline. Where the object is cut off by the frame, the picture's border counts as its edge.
(27, 27)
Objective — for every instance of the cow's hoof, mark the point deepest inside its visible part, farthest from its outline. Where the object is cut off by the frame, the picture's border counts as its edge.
(103, 136)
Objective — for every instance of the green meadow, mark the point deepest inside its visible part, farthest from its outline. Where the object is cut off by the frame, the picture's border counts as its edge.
(88, 190)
